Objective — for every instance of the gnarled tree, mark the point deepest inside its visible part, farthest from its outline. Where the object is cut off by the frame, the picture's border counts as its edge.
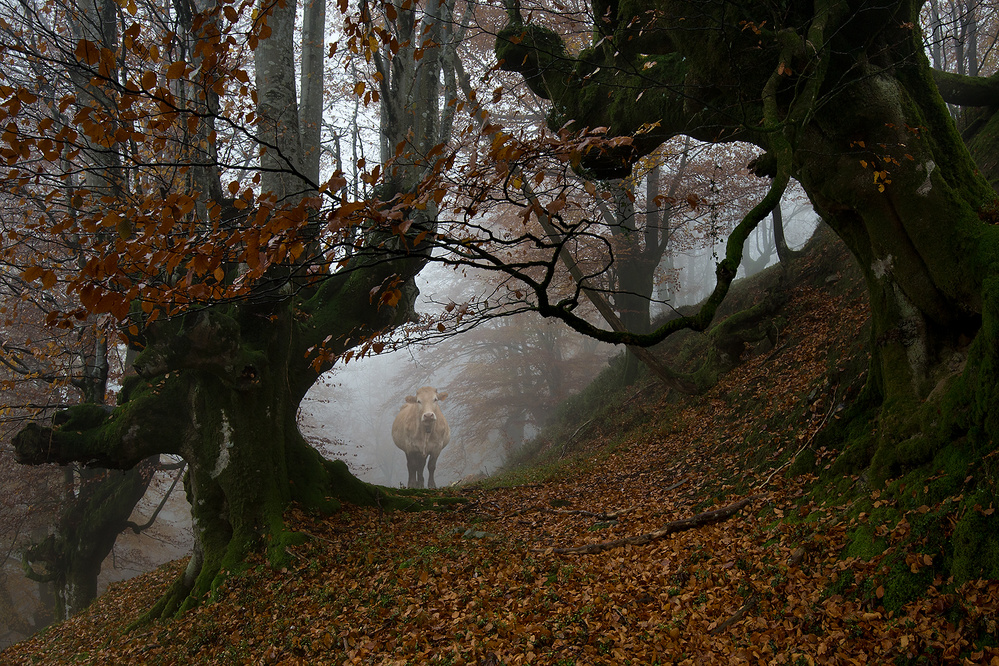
(840, 96)
(237, 296)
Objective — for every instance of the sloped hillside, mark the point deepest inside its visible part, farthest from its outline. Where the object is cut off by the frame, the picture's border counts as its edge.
(651, 529)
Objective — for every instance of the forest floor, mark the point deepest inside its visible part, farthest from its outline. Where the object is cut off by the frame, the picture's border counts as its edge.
(760, 576)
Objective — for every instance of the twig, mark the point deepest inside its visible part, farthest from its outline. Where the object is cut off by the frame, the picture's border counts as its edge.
(135, 527)
(677, 484)
(638, 393)
(609, 515)
(776, 350)
(808, 442)
(566, 442)
(601, 516)
(746, 607)
(706, 518)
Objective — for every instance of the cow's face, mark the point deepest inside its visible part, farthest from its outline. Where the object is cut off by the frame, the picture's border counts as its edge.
(426, 400)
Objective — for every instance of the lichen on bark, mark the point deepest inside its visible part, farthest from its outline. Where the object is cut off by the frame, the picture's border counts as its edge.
(221, 388)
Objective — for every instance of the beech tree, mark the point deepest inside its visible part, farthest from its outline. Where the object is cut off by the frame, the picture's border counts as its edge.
(236, 294)
(840, 96)
(74, 522)
(689, 211)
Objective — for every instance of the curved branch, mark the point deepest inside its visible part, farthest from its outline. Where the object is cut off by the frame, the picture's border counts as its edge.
(151, 422)
(135, 527)
(967, 90)
(701, 519)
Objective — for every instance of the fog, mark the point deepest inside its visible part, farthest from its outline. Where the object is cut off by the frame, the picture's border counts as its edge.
(348, 415)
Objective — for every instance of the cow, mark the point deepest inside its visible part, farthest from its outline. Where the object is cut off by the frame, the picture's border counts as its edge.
(422, 432)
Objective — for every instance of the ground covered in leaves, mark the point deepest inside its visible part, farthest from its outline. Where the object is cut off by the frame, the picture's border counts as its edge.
(501, 580)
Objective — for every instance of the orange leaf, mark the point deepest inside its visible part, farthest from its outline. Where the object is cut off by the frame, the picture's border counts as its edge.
(176, 70)
(48, 279)
(32, 273)
(87, 52)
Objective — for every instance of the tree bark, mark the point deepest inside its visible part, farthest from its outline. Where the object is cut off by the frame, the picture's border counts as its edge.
(71, 558)
(839, 96)
(224, 394)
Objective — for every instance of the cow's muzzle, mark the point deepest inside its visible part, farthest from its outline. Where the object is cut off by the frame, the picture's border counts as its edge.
(429, 421)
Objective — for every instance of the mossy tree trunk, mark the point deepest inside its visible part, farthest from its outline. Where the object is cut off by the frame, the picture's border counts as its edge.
(840, 96)
(94, 505)
(220, 384)
(221, 388)
(91, 520)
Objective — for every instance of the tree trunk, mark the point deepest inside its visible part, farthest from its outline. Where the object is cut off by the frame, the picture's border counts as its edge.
(924, 287)
(248, 461)
(96, 504)
(911, 212)
(221, 386)
(784, 253)
(71, 558)
(633, 267)
(226, 400)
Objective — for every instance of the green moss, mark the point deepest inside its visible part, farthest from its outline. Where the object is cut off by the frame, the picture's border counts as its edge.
(984, 147)
(863, 544)
(536, 52)
(970, 405)
(976, 548)
(804, 463)
(855, 437)
(902, 586)
(81, 417)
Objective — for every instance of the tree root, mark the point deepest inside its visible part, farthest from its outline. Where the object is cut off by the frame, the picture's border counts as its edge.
(706, 518)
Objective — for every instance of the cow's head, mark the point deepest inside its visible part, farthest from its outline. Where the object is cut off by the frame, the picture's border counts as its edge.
(426, 400)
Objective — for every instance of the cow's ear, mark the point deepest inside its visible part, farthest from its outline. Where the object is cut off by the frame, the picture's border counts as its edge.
(441, 396)
(411, 398)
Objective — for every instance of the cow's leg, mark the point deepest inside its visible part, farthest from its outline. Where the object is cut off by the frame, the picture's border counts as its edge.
(419, 469)
(414, 461)
(431, 466)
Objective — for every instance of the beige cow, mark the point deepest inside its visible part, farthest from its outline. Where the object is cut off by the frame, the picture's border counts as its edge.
(422, 432)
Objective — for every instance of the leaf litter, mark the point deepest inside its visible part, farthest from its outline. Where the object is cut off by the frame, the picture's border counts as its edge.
(485, 584)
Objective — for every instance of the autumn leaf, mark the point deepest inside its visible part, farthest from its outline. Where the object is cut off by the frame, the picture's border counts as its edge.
(87, 52)
(176, 70)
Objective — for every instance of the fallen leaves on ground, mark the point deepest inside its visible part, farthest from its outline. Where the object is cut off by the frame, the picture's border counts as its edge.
(483, 585)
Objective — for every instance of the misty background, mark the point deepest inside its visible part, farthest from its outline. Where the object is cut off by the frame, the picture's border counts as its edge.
(349, 414)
